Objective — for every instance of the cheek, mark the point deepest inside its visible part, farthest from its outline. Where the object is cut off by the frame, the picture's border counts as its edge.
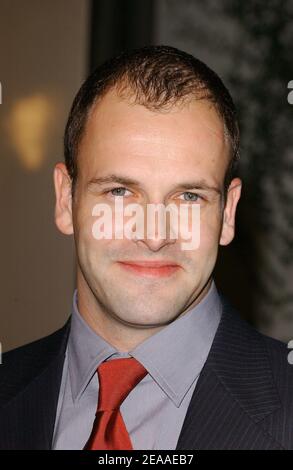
(210, 226)
(83, 231)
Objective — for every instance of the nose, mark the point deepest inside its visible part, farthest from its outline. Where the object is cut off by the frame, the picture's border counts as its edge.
(156, 233)
(154, 245)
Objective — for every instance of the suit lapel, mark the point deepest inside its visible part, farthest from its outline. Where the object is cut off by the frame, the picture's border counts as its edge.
(234, 392)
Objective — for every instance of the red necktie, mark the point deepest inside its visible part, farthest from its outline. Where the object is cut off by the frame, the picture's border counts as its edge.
(117, 378)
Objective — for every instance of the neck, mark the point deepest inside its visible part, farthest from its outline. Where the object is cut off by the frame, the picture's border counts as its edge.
(121, 335)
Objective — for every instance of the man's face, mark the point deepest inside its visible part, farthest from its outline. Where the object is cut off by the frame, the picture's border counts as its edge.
(161, 153)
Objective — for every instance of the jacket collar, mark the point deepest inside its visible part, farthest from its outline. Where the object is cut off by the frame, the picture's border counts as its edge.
(235, 390)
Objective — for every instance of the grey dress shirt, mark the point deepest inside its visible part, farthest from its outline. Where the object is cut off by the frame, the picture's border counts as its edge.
(155, 409)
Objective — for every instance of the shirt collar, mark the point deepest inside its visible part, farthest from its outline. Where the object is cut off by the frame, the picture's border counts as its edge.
(174, 356)
(86, 351)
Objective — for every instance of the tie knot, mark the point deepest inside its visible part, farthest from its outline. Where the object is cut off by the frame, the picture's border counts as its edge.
(117, 378)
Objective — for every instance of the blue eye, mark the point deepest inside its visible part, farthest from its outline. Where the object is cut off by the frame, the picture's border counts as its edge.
(118, 191)
(193, 197)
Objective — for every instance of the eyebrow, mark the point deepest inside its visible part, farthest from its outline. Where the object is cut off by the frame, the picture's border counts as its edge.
(114, 178)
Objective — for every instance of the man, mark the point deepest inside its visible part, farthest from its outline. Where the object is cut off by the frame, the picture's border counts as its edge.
(153, 356)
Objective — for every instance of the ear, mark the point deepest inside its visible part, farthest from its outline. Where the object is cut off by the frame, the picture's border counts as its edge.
(63, 206)
(228, 226)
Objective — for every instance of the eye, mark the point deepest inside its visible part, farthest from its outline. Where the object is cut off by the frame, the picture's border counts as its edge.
(191, 197)
(117, 191)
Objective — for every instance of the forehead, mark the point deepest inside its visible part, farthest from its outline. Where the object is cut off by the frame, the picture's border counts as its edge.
(119, 133)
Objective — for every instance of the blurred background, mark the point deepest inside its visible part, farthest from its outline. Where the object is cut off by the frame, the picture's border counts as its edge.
(48, 48)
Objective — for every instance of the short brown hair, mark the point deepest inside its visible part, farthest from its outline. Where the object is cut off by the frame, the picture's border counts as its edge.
(158, 77)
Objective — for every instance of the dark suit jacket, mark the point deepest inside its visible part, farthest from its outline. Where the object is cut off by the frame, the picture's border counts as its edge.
(243, 398)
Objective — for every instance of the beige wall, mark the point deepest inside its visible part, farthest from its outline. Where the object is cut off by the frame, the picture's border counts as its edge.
(43, 50)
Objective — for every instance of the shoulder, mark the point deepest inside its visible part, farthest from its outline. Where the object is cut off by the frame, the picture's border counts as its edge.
(21, 365)
(282, 369)
(37, 349)
(276, 350)
(258, 353)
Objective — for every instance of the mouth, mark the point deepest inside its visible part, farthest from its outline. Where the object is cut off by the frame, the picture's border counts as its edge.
(150, 268)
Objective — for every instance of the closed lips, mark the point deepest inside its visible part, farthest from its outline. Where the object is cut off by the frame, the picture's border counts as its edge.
(150, 264)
